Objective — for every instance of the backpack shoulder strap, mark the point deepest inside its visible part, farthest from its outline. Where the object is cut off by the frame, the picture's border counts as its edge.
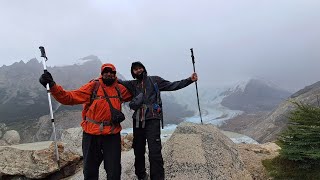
(94, 90)
(119, 93)
(93, 93)
(156, 88)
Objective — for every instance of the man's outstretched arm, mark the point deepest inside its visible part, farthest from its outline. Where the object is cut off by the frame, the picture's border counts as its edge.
(127, 84)
(165, 85)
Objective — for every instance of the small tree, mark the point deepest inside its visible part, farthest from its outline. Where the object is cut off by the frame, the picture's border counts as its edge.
(301, 141)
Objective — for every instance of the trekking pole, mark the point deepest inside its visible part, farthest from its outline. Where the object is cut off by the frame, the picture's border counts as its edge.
(194, 70)
(43, 54)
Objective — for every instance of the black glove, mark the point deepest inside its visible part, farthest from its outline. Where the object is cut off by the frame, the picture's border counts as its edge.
(46, 78)
(136, 102)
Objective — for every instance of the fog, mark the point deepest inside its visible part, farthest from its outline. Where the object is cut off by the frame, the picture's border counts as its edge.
(276, 40)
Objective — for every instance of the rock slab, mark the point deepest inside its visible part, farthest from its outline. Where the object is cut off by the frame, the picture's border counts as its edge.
(202, 152)
(34, 160)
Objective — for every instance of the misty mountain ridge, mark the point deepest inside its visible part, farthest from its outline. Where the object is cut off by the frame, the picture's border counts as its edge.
(242, 85)
(246, 95)
(254, 95)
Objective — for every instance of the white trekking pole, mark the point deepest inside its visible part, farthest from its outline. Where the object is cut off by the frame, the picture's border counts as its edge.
(43, 54)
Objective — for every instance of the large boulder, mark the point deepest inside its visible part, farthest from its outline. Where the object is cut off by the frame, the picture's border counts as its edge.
(34, 160)
(202, 152)
(11, 137)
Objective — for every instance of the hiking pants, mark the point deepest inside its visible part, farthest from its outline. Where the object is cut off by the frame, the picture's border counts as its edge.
(98, 148)
(151, 133)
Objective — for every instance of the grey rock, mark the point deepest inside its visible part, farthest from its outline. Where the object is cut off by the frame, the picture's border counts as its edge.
(202, 152)
(34, 160)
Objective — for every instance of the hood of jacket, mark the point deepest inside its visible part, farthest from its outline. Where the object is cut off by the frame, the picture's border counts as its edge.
(137, 63)
(108, 65)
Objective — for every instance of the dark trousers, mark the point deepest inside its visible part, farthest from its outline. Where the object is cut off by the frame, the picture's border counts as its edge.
(96, 148)
(151, 133)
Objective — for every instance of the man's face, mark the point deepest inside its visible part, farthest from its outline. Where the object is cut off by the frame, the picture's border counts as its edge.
(137, 70)
(108, 74)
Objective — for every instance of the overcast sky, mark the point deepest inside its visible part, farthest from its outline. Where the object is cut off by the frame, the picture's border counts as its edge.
(277, 40)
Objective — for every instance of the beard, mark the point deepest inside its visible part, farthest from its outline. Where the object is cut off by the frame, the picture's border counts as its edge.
(140, 76)
(108, 81)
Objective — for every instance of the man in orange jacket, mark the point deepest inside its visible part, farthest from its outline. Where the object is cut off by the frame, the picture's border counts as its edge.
(101, 117)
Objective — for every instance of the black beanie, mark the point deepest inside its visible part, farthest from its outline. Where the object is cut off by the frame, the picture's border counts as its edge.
(137, 63)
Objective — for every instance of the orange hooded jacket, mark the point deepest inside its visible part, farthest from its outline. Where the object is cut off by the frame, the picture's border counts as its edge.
(99, 110)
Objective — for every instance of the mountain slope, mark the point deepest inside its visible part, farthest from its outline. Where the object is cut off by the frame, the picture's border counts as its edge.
(276, 121)
(256, 95)
(22, 96)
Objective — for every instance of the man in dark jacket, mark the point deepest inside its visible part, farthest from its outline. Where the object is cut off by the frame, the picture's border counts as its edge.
(147, 116)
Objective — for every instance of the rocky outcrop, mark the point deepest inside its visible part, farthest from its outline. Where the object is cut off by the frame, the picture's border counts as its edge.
(34, 160)
(202, 152)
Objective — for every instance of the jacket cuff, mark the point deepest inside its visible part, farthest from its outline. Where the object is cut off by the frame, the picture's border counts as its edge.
(54, 88)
